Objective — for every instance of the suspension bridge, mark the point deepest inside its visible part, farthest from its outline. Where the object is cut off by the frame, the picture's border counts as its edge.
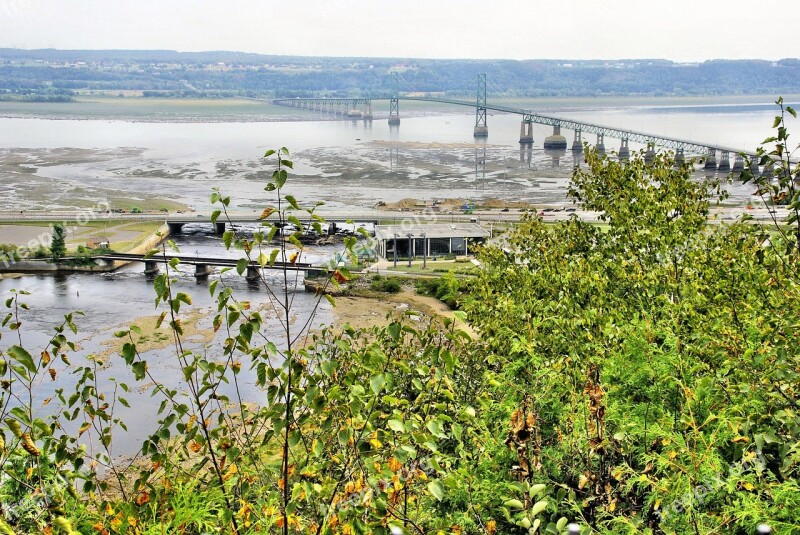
(715, 157)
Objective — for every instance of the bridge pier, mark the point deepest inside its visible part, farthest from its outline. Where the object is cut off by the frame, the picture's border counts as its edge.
(768, 170)
(650, 155)
(367, 114)
(754, 167)
(151, 267)
(577, 143)
(175, 228)
(556, 141)
(600, 145)
(219, 228)
(526, 132)
(680, 158)
(738, 164)
(202, 271)
(624, 151)
(725, 161)
(711, 160)
(314, 273)
(253, 274)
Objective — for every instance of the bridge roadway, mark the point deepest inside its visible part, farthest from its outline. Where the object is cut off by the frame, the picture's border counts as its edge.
(530, 116)
(203, 260)
(357, 216)
(204, 264)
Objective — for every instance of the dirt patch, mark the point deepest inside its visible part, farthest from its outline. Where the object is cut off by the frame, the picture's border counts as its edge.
(367, 311)
(155, 338)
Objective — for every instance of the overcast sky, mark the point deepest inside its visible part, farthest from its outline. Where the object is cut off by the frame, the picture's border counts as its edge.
(683, 30)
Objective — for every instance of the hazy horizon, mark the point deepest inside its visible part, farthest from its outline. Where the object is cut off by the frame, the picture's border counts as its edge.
(683, 31)
(220, 51)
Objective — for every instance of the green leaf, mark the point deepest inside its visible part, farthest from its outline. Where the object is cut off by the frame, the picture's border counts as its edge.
(436, 489)
(538, 507)
(514, 504)
(396, 426)
(536, 489)
(280, 178)
(227, 238)
(128, 352)
(377, 382)
(139, 370)
(292, 202)
(394, 331)
(241, 265)
(295, 221)
(23, 357)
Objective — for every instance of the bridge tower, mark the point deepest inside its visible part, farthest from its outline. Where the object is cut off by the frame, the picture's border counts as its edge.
(394, 102)
(481, 130)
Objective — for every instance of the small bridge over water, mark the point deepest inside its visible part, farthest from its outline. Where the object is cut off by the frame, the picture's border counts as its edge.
(177, 221)
(204, 265)
(362, 108)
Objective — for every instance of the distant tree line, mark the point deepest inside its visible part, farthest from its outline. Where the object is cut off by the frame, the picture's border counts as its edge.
(214, 73)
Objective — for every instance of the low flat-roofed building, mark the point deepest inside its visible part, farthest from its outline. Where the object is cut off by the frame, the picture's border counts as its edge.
(436, 239)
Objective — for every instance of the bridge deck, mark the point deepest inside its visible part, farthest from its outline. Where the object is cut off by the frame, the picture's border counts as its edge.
(206, 261)
(529, 115)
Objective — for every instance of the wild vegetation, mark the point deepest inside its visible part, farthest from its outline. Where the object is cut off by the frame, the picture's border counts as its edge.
(639, 378)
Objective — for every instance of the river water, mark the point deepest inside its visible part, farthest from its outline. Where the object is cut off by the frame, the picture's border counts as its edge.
(344, 163)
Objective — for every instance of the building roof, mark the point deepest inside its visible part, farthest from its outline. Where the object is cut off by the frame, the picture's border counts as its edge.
(433, 230)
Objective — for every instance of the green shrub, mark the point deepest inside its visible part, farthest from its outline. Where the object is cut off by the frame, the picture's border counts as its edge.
(390, 285)
(445, 288)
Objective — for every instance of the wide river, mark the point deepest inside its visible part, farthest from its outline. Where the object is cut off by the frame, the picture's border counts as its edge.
(62, 164)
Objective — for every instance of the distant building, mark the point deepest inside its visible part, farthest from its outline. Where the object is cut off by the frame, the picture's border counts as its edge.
(437, 239)
(96, 242)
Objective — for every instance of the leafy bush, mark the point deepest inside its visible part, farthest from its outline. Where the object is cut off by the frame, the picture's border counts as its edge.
(391, 285)
(648, 371)
(446, 288)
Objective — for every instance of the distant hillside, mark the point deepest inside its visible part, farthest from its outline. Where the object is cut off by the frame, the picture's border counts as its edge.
(59, 73)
